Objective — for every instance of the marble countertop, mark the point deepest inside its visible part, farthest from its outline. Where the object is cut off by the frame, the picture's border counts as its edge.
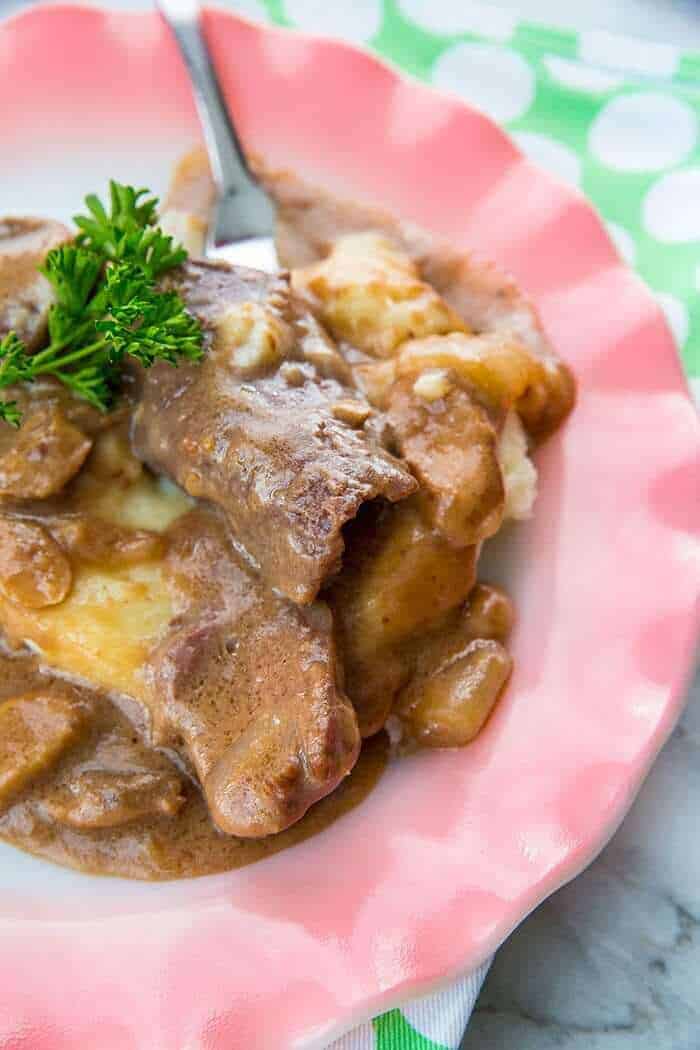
(612, 961)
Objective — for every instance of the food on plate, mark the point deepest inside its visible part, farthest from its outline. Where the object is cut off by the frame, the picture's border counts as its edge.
(255, 428)
(25, 294)
(241, 517)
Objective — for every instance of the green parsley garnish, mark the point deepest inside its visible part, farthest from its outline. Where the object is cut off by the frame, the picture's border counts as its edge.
(106, 304)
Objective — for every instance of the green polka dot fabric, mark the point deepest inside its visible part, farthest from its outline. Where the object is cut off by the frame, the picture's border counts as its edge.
(618, 118)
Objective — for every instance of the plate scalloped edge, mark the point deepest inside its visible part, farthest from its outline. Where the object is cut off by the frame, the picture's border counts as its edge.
(294, 951)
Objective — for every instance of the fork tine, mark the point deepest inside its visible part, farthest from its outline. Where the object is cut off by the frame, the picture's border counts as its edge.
(244, 211)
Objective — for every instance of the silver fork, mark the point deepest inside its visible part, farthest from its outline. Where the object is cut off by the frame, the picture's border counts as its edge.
(242, 229)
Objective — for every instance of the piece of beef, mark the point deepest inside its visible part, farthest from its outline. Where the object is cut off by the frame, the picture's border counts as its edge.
(245, 685)
(36, 728)
(25, 295)
(39, 458)
(260, 427)
(117, 781)
(55, 438)
(451, 445)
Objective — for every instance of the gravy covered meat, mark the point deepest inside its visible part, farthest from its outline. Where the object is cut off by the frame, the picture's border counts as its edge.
(262, 428)
(246, 683)
(241, 517)
(25, 293)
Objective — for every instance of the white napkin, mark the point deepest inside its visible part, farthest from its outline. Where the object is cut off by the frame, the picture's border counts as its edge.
(441, 1017)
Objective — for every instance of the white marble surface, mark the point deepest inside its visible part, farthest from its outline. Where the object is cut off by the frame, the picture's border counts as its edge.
(612, 961)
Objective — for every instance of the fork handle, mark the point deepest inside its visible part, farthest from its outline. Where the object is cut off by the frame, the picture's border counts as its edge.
(239, 190)
(226, 155)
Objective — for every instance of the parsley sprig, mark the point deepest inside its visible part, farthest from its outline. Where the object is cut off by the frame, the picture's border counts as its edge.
(106, 304)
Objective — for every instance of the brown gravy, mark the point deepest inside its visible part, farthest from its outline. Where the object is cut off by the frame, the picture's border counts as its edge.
(358, 478)
(159, 847)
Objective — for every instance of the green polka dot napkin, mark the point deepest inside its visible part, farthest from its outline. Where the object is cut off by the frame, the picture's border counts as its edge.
(617, 117)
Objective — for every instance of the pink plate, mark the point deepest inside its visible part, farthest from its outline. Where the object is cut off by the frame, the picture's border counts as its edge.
(451, 850)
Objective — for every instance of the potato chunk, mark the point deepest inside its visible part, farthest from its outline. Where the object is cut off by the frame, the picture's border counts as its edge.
(519, 472)
(370, 294)
(504, 371)
(433, 385)
(118, 607)
(403, 576)
(254, 338)
(104, 630)
(399, 578)
(488, 613)
(497, 365)
(186, 229)
(35, 730)
(448, 707)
